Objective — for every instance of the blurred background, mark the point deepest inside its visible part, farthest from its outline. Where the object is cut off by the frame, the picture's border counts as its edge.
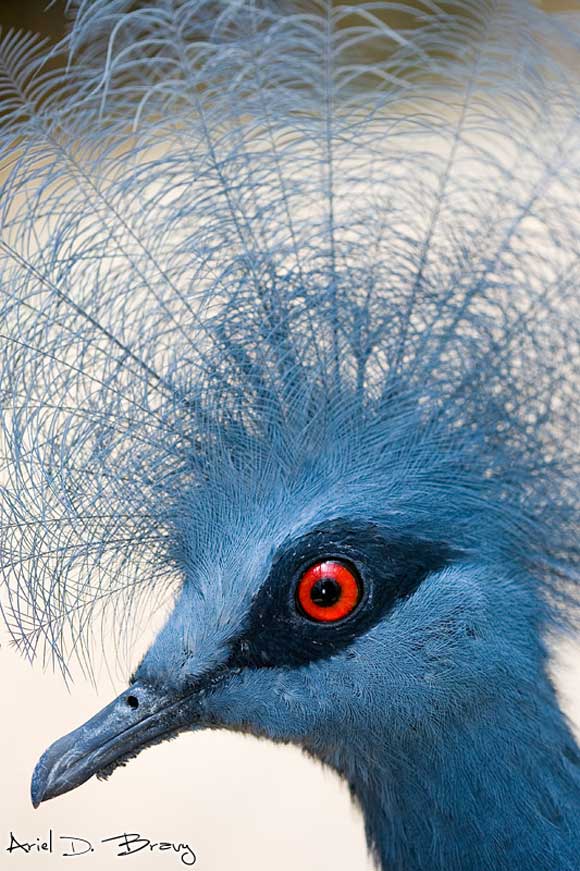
(238, 802)
(50, 18)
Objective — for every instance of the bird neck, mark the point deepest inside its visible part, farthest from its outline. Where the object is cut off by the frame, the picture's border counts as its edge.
(499, 790)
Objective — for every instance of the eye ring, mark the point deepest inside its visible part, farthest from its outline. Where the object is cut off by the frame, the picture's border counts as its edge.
(328, 591)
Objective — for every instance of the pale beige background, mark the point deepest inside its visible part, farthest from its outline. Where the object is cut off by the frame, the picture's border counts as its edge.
(243, 805)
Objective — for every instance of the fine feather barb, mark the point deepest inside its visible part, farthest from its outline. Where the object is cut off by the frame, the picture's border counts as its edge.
(237, 239)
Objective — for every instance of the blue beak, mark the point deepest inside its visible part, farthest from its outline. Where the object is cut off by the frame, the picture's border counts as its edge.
(142, 715)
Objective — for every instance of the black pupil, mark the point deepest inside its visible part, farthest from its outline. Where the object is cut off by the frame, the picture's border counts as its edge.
(326, 592)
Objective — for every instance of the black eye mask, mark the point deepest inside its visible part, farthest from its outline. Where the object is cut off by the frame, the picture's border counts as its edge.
(277, 633)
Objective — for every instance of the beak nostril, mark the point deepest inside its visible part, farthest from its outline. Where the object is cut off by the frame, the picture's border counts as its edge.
(132, 701)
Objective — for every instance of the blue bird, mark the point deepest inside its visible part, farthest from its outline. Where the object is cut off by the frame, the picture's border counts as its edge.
(289, 320)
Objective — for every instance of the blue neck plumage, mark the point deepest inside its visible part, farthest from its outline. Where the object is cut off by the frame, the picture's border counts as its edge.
(497, 791)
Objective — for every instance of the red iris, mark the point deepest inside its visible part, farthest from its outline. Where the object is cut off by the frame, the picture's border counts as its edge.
(328, 591)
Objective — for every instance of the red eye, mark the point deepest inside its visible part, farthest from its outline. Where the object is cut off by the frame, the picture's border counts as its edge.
(328, 591)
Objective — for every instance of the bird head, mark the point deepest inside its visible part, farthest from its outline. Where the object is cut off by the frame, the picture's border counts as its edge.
(326, 600)
(287, 336)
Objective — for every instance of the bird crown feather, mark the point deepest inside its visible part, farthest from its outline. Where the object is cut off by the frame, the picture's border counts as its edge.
(302, 248)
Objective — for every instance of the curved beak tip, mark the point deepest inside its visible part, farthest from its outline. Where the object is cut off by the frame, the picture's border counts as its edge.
(36, 795)
(39, 782)
(37, 785)
(49, 776)
(116, 733)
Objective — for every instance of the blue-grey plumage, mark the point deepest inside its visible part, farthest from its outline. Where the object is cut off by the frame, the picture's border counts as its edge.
(290, 338)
